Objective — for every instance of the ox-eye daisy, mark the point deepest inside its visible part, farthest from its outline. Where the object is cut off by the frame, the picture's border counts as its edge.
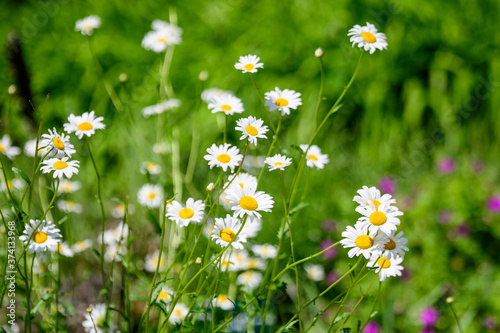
(209, 94)
(81, 245)
(119, 210)
(192, 212)
(368, 37)
(242, 180)
(151, 261)
(45, 237)
(252, 226)
(249, 201)
(96, 319)
(361, 241)
(265, 251)
(223, 156)
(283, 100)
(7, 149)
(30, 147)
(161, 107)
(57, 143)
(223, 302)
(150, 195)
(251, 128)
(63, 249)
(152, 168)
(115, 235)
(67, 186)
(314, 157)
(61, 167)
(256, 263)
(69, 206)
(386, 267)
(163, 35)
(249, 64)
(178, 314)
(315, 272)
(165, 295)
(225, 231)
(384, 218)
(86, 124)
(87, 24)
(249, 279)
(372, 194)
(395, 246)
(278, 162)
(227, 103)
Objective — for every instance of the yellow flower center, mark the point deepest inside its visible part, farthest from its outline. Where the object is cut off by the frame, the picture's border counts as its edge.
(85, 126)
(383, 262)
(161, 40)
(364, 242)
(66, 187)
(70, 205)
(163, 295)
(248, 67)
(59, 248)
(40, 237)
(375, 202)
(59, 165)
(368, 37)
(80, 245)
(252, 130)
(58, 143)
(248, 203)
(222, 298)
(312, 157)
(2, 148)
(378, 218)
(264, 250)
(88, 27)
(227, 235)
(177, 312)
(152, 195)
(226, 107)
(278, 163)
(281, 102)
(10, 185)
(390, 245)
(224, 158)
(186, 213)
(151, 166)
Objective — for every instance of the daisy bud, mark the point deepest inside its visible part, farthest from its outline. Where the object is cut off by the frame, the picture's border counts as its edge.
(211, 187)
(89, 310)
(123, 77)
(319, 53)
(198, 261)
(12, 89)
(203, 76)
(449, 300)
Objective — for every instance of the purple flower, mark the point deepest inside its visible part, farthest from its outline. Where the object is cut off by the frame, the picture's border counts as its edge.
(429, 316)
(387, 185)
(493, 204)
(446, 165)
(328, 225)
(427, 330)
(444, 216)
(331, 253)
(331, 278)
(371, 327)
(489, 322)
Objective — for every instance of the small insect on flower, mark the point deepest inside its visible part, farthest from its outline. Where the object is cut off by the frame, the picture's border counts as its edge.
(251, 128)
(249, 201)
(226, 103)
(249, 279)
(86, 124)
(30, 147)
(282, 100)
(225, 231)
(165, 295)
(178, 314)
(63, 249)
(223, 156)
(67, 186)
(151, 262)
(384, 217)
(152, 168)
(315, 272)
(192, 212)
(278, 162)
(367, 37)
(386, 267)
(394, 247)
(223, 302)
(163, 35)
(43, 238)
(249, 64)
(87, 24)
(58, 144)
(7, 149)
(82, 245)
(61, 167)
(161, 107)
(314, 157)
(69, 206)
(372, 194)
(361, 241)
(265, 251)
(150, 195)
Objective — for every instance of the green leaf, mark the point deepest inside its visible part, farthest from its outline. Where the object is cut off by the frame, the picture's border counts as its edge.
(345, 314)
(154, 221)
(290, 327)
(156, 291)
(298, 207)
(345, 330)
(38, 305)
(22, 175)
(97, 253)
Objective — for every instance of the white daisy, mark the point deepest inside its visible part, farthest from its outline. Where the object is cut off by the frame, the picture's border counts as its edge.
(223, 302)
(150, 195)
(97, 319)
(278, 162)
(86, 124)
(252, 226)
(239, 260)
(67, 186)
(255, 263)
(249, 64)
(40, 265)
(223, 156)
(372, 194)
(384, 217)
(249, 201)
(228, 263)
(178, 314)
(152, 168)
(314, 158)
(192, 212)
(61, 167)
(265, 251)
(361, 241)
(44, 238)
(209, 94)
(225, 231)
(69, 206)
(161, 107)
(251, 128)
(315, 272)
(227, 103)
(394, 247)
(283, 100)
(251, 162)
(367, 37)
(115, 235)
(58, 144)
(242, 180)
(151, 261)
(63, 249)
(82, 245)
(30, 147)
(7, 149)
(87, 24)
(163, 35)
(249, 279)
(13, 184)
(386, 267)
(165, 295)
(118, 211)
(113, 250)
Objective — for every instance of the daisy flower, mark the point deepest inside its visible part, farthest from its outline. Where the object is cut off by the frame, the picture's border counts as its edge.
(314, 158)
(386, 267)
(97, 319)
(44, 238)
(82, 245)
(151, 261)
(278, 162)
(249, 64)
(265, 251)
(113, 250)
(115, 235)
(361, 241)
(30, 147)
(251, 128)
(7, 149)
(394, 247)
(367, 37)
(282, 100)
(57, 143)
(209, 94)
(86, 124)
(252, 227)
(227, 263)
(13, 184)
(249, 279)
(69, 206)
(384, 218)
(63, 249)
(255, 263)
(223, 156)
(165, 295)
(150, 195)
(192, 212)
(118, 211)
(87, 24)
(227, 103)
(225, 231)
(372, 194)
(315, 272)
(150, 167)
(161, 107)
(223, 302)
(249, 201)
(242, 180)
(178, 314)
(163, 35)
(239, 260)
(67, 186)
(61, 167)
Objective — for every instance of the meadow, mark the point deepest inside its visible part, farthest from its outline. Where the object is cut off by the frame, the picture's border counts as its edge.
(238, 166)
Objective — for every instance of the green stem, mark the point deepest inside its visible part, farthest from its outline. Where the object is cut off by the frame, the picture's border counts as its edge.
(455, 316)
(373, 307)
(320, 96)
(271, 148)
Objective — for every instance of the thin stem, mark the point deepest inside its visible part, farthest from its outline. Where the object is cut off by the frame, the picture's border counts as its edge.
(320, 96)
(455, 316)
(127, 271)
(271, 148)
(373, 307)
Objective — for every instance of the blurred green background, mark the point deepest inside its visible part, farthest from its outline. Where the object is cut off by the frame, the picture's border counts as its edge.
(433, 94)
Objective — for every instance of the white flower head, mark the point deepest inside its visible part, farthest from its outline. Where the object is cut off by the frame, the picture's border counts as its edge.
(69, 206)
(252, 226)
(97, 319)
(13, 184)
(372, 194)
(384, 217)
(368, 37)
(226, 103)
(226, 230)
(61, 167)
(150, 195)
(86, 124)
(223, 302)
(113, 250)
(7, 149)
(118, 210)
(278, 162)
(209, 94)
(249, 64)
(282, 100)
(115, 235)
(265, 251)
(151, 261)
(223, 156)
(251, 128)
(178, 314)
(361, 241)
(256, 263)
(152, 168)
(159, 39)
(249, 201)
(394, 247)
(193, 211)
(386, 267)
(249, 279)
(43, 238)
(87, 24)
(242, 180)
(67, 186)
(165, 295)
(30, 147)
(314, 157)
(161, 107)
(315, 272)
(58, 144)
(63, 249)
(82, 245)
